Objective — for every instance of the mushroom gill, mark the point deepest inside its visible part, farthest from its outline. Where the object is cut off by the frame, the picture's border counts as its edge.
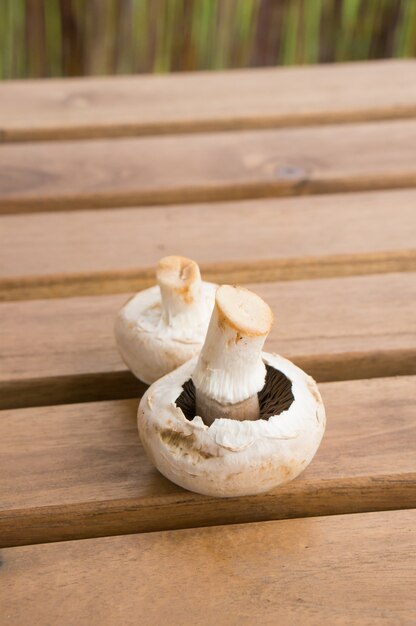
(275, 397)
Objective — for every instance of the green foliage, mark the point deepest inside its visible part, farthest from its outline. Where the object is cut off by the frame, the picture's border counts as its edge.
(75, 37)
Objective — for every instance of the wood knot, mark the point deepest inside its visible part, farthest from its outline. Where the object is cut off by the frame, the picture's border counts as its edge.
(290, 172)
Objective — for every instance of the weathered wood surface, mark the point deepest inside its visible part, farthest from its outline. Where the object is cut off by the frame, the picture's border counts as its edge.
(132, 105)
(90, 252)
(56, 351)
(52, 176)
(346, 570)
(79, 471)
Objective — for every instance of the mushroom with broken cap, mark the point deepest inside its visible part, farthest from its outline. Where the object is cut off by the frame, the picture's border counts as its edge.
(234, 421)
(164, 326)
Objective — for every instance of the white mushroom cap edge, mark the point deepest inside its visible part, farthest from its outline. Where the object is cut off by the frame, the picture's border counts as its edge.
(230, 457)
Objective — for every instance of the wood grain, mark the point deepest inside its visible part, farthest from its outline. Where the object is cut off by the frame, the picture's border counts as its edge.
(56, 351)
(78, 470)
(203, 101)
(342, 570)
(70, 175)
(114, 251)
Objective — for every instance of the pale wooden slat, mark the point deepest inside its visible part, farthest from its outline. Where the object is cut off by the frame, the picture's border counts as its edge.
(56, 351)
(79, 471)
(131, 105)
(218, 166)
(87, 252)
(345, 570)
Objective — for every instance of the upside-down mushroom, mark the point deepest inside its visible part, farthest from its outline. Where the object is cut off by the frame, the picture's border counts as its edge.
(164, 326)
(235, 420)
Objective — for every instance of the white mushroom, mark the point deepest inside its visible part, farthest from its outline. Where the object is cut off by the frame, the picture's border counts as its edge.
(164, 326)
(233, 421)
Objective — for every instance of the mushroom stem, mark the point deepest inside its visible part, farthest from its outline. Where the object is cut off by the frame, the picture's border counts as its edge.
(179, 280)
(230, 371)
(210, 410)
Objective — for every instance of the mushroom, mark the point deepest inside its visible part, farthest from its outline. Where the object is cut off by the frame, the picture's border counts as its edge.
(234, 420)
(162, 327)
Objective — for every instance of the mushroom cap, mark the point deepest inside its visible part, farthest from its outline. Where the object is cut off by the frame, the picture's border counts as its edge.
(230, 457)
(149, 346)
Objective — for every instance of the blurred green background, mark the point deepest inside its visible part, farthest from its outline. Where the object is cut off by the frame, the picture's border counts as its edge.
(76, 37)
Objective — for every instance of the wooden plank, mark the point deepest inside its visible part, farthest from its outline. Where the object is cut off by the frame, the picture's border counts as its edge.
(202, 101)
(72, 175)
(79, 471)
(113, 251)
(349, 569)
(57, 351)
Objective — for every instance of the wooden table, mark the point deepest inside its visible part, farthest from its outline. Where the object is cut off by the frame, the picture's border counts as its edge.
(298, 182)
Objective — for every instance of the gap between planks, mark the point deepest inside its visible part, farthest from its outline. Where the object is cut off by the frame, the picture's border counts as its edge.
(206, 101)
(89, 475)
(120, 131)
(73, 388)
(114, 282)
(151, 171)
(90, 253)
(59, 351)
